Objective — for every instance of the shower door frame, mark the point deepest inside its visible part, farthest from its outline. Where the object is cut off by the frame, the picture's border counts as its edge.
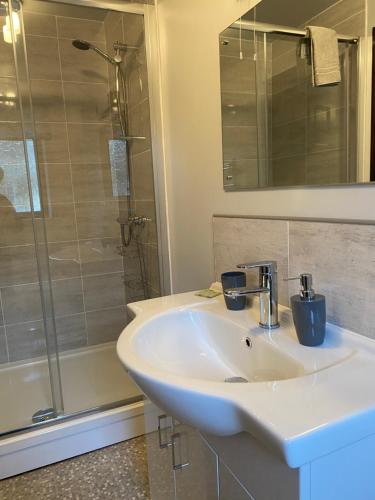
(157, 141)
(28, 133)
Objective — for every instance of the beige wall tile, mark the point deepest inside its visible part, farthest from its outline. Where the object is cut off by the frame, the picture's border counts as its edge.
(231, 47)
(82, 66)
(18, 265)
(244, 174)
(87, 102)
(105, 325)
(89, 143)
(97, 220)
(113, 33)
(100, 256)
(71, 332)
(26, 341)
(152, 266)
(11, 153)
(7, 67)
(249, 240)
(102, 291)
(9, 94)
(149, 232)
(68, 297)
(238, 109)
(338, 256)
(21, 303)
(132, 272)
(326, 130)
(237, 75)
(43, 57)
(86, 29)
(15, 229)
(64, 260)
(139, 126)
(143, 179)
(137, 82)
(3, 346)
(56, 183)
(47, 100)
(92, 182)
(289, 105)
(133, 29)
(52, 144)
(328, 167)
(289, 140)
(39, 24)
(289, 171)
(240, 143)
(1, 313)
(60, 223)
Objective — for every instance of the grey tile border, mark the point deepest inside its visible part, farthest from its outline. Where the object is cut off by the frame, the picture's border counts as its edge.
(336, 252)
(363, 222)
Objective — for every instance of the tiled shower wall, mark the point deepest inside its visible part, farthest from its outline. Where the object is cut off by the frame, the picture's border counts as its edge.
(130, 29)
(340, 257)
(74, 122)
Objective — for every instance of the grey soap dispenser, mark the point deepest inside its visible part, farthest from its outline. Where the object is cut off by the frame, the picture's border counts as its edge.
(309, 313)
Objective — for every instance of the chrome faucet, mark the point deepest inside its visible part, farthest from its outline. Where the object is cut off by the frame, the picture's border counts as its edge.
(267, 292)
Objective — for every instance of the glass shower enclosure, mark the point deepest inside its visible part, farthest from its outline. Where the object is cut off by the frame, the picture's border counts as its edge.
(78, 233)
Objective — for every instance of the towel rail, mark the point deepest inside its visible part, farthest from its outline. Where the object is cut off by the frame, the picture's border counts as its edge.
(284, 30)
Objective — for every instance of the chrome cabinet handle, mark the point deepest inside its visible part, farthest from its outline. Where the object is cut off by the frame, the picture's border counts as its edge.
(181, 465)
(163, 444)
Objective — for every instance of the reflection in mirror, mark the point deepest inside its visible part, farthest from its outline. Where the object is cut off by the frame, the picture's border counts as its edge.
(279, 129)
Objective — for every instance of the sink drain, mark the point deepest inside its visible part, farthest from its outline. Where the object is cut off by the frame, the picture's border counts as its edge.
(235, 380)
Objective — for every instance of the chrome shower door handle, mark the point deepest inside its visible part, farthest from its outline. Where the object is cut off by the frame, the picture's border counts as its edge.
(163, 443)
(182, 464)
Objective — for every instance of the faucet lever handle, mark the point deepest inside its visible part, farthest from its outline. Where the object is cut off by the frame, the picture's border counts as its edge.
(271, 265)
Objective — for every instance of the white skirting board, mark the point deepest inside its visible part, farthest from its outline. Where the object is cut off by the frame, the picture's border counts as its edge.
(30, 450)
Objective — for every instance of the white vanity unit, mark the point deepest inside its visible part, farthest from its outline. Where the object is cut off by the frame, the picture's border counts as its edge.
(264, 417)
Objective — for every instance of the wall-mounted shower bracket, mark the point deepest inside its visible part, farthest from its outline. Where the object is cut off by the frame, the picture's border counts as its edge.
(120, 46)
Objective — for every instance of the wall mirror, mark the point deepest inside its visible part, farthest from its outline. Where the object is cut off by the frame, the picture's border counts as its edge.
(278, 129)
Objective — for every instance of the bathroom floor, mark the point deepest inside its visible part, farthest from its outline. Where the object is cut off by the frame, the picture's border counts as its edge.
(115, 472)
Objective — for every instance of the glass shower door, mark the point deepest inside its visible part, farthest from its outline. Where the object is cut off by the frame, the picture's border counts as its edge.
(30, 388)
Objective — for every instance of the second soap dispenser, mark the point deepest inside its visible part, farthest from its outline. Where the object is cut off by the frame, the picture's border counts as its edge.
(309, 313)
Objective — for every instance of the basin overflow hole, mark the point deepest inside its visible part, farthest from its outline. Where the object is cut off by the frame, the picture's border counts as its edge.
(248, 342)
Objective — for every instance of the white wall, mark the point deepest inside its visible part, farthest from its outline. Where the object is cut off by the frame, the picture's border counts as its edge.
(191, 112)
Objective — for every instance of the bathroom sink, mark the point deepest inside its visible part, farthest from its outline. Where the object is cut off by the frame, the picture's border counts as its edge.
(218, 371)
(201, 345)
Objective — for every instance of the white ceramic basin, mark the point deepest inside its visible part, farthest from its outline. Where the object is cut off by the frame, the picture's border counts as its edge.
(218, 371)
(201, 345)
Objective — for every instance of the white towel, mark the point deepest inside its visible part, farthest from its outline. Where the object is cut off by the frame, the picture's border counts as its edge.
(325, 56)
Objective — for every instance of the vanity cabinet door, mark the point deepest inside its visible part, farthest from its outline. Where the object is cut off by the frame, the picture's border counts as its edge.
(229, 486)
(195, 466)
(159, 429)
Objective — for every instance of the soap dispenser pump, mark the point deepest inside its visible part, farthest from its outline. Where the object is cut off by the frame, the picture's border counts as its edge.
(309, 312)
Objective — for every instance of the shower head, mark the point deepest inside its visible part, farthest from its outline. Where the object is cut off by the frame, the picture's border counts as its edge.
(83, 45)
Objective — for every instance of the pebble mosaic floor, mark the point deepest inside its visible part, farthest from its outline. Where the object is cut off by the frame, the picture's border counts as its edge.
(115, 472)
